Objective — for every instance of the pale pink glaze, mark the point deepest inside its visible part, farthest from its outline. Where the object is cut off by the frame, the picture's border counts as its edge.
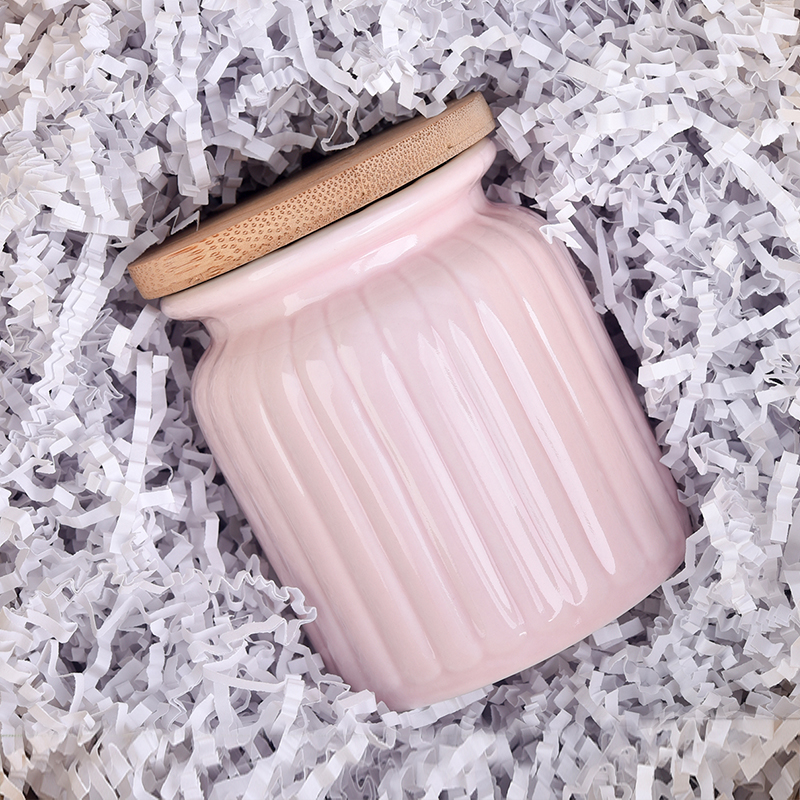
(430, 432)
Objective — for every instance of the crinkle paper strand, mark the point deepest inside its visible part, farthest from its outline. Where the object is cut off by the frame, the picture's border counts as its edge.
(146, 652)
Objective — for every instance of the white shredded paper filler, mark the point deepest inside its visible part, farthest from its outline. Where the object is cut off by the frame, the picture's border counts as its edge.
(145, 651)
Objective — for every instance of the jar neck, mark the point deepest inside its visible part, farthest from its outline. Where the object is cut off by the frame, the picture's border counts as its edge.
(341, 254)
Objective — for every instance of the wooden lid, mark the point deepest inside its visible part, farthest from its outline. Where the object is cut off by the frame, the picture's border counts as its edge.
(311, 199)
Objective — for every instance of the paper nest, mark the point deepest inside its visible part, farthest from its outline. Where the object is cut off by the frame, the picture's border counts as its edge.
(144, 653)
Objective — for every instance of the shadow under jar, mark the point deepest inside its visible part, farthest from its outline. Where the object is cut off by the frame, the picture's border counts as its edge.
(430, 432)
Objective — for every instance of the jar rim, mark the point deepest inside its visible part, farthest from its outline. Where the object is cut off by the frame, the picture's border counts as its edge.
(349, 241)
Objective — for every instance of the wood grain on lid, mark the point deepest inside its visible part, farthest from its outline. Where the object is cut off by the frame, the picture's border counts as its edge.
(311, 199)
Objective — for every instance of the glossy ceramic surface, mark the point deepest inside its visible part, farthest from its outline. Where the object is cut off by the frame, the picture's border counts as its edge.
(431, 434)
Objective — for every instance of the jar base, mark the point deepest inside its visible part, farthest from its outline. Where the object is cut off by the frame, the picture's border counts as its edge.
(570, 627)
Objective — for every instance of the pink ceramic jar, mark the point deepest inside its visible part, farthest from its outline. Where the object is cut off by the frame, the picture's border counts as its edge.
(428, 428)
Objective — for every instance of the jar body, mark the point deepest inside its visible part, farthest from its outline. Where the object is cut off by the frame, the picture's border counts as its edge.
(428, 428)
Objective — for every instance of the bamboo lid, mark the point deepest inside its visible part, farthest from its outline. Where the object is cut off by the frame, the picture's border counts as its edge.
(312, 198)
